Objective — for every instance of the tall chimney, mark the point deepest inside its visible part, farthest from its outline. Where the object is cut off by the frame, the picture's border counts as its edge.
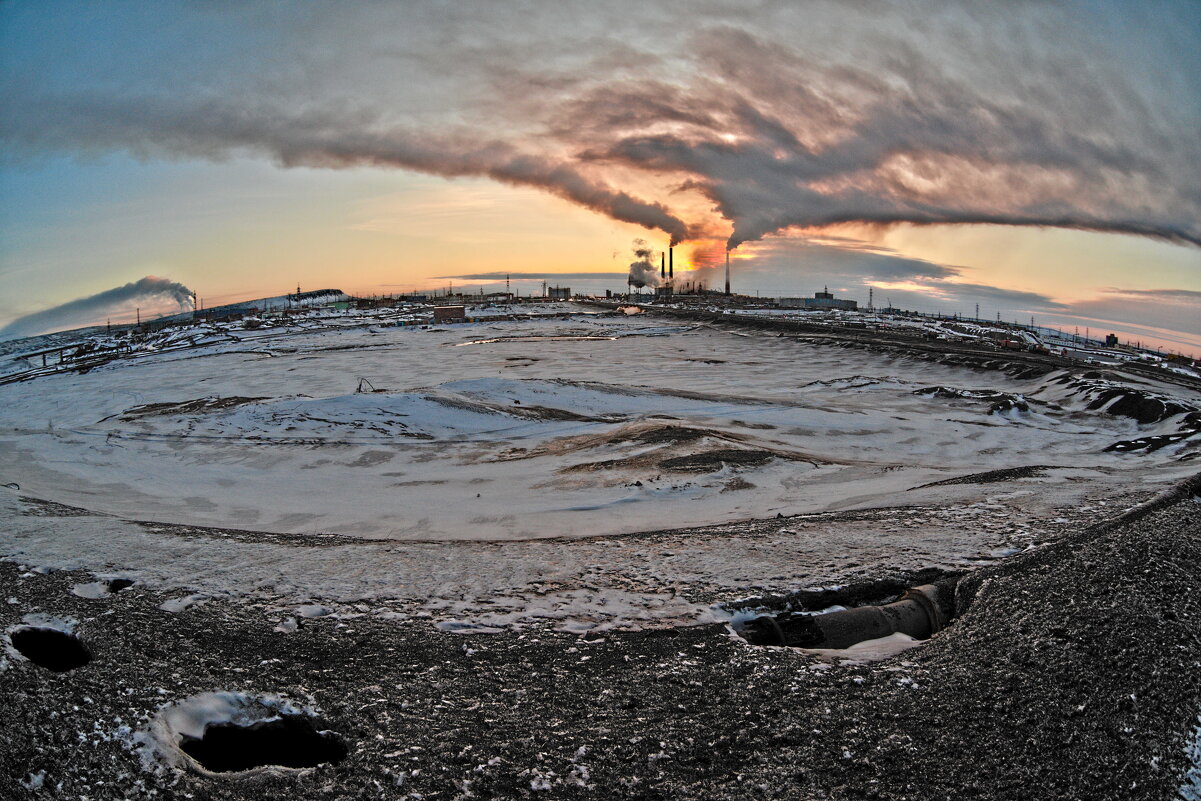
(671, 268)
(662, 265)
(727, 272)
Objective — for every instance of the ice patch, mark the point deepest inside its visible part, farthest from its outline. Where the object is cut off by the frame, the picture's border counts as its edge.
(869, 650)
(466, 627)
(176, 605)
(190, 717)
(313, 610)
(92, 590)
(41, 620)
(1190, 787)
(34, 780)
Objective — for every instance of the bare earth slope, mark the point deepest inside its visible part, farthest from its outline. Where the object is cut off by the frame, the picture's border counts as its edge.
(1070, 673)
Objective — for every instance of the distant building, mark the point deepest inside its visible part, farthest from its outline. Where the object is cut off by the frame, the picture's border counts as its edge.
(820, 300)
(450, 314)
(1111, 340)
(559, 292)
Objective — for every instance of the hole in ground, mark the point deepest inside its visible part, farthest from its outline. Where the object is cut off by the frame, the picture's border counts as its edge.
(290, 741)
(50, 648)
(876, 610)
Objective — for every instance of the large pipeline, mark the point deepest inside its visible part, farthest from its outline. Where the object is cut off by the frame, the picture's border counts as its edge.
(921, 612)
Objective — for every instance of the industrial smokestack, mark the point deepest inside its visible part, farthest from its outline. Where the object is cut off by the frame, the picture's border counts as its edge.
(671, 269)
(662, 265)
(727, 272)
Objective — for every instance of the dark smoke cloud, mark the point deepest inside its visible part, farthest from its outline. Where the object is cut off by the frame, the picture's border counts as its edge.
(643, 272)
(694, 118)
(93, 309)
(807, 145)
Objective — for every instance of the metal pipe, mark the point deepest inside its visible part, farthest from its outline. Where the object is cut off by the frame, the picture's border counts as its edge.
(917, 613)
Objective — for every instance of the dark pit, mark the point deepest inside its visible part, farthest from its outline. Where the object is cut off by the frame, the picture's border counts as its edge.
(118, 584)
(52, 649)
(291, 742)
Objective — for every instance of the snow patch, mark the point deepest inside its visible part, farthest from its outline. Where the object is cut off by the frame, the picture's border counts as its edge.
(92, 590)
(313, 610)
(1190, 787)
(190, 717)
(176, 605)
(869, 650)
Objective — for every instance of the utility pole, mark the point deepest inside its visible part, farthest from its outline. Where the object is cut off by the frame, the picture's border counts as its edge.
(977, 311)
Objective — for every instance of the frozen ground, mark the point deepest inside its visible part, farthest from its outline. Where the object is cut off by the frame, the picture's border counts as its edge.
(1069, 673)
(506, 568)
(483, 479)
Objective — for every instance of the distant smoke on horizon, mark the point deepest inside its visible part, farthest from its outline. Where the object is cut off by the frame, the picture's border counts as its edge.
(90, 310)
(675, 118)
(643, 272)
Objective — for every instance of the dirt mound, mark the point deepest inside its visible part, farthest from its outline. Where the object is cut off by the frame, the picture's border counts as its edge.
(991, 476)
(210, 404)
(1001, 401)
(663, 434)
(708, 461)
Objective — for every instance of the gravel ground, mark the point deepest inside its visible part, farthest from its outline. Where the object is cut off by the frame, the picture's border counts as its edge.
(1071, 672)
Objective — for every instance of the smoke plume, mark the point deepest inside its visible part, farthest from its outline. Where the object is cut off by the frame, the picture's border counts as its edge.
(668, 115)
(120, 300)
(643, 272)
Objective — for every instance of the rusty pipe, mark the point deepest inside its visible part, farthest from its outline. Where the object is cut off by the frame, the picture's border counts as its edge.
(917, 613)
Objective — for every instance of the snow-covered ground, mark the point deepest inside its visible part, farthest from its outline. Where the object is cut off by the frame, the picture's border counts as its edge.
(484, 447)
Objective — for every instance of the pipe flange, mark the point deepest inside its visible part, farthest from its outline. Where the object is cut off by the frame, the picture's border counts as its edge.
(927, 598)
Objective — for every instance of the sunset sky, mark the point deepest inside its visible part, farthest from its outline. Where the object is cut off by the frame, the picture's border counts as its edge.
(1037, 159)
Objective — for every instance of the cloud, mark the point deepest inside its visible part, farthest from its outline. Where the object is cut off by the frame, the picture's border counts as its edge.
(697, 119)
(822, 145)
(1183, 296)
(500, 276)
(1177, 309)
(94, 308)
(1010, 299)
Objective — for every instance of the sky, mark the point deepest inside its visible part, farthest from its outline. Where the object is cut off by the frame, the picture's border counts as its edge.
(1036, 159)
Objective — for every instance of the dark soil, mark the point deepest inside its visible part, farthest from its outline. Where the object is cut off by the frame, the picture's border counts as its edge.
(669, 434)
(187, 407)
(708, 461)
(991, 476)
(1069, 673)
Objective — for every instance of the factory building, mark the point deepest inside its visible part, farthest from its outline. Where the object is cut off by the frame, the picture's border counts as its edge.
(559, 293)
(820, 300)
(450, 314)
